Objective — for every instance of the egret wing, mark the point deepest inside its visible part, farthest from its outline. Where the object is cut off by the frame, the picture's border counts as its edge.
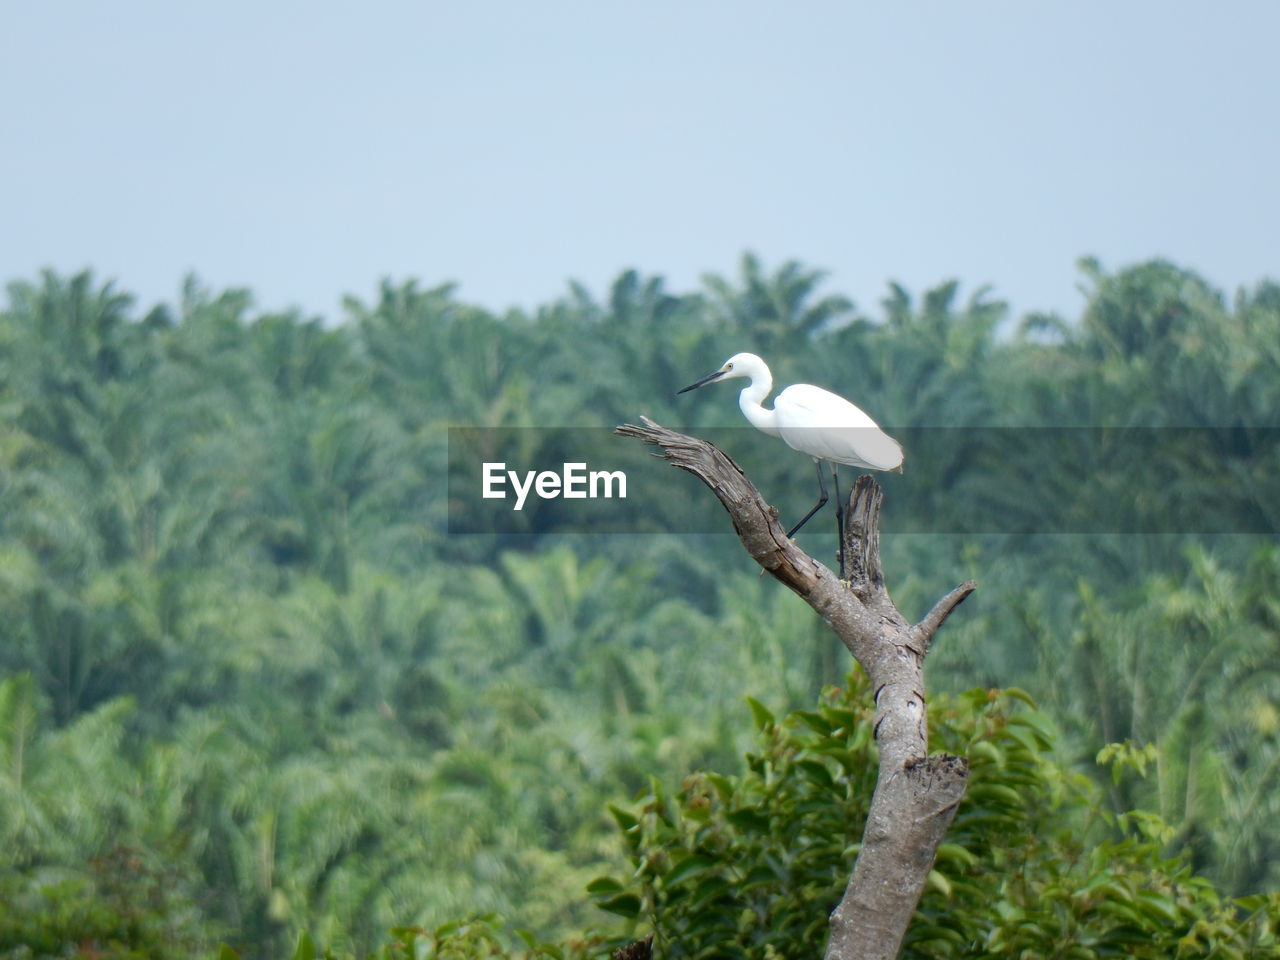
(829, 427)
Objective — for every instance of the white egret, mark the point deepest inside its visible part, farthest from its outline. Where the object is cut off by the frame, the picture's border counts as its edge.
(811, 420)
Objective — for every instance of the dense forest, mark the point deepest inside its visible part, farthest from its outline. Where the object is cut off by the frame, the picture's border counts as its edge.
(252, 687)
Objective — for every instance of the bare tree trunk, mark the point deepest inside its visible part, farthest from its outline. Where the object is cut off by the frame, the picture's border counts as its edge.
(916, 795)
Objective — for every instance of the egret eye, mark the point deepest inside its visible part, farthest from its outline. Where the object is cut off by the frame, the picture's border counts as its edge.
(728, 366)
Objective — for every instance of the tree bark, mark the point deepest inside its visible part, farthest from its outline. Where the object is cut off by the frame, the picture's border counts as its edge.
(916, 795)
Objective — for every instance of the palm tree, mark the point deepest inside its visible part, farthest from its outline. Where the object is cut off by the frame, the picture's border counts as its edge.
(778, 313)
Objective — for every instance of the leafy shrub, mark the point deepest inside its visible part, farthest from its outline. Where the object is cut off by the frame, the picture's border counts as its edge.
(1033, 867)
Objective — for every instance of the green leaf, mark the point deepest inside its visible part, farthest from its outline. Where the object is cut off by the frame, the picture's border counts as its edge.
(688, 867)
(1163, 905)
(723, 785)
(1121, 910)
(707, 888)
(759, 875)
(624, 819)
(697, 813)
(761, 714)
(1103, 878)
(939, 882)
(817, 772)
(954, 853)
(850, 761)
(1037, 721)
(306, 949)
(748, 820)
(603, 885)
(406, 933)
(1019, 694)
(986, 750)
(1030, 739)
(624, 905)
(929, 931)
(1256, 901)
(996, 793)
(839, 718)
(814, 721)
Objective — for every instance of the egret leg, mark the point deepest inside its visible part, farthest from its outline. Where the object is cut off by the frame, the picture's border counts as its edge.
(822, 485)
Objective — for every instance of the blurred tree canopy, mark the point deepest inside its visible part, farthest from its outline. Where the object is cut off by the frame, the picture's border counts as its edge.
(250, 686)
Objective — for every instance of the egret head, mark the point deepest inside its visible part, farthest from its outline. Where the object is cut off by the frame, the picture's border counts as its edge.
(739, 365)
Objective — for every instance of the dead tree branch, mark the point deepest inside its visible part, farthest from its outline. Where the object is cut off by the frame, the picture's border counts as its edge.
(916, 794)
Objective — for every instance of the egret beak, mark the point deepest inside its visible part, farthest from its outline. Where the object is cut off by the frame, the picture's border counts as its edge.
(709, 378)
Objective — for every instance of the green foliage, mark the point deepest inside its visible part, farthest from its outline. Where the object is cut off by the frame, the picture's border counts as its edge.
(238, 641)
(117, 907)
(752, 865)
(480, 939)
(1211, 776)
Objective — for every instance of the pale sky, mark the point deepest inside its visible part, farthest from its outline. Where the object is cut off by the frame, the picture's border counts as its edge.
(306, 150)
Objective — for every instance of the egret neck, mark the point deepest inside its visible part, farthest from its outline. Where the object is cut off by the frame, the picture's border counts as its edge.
(751, 400)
